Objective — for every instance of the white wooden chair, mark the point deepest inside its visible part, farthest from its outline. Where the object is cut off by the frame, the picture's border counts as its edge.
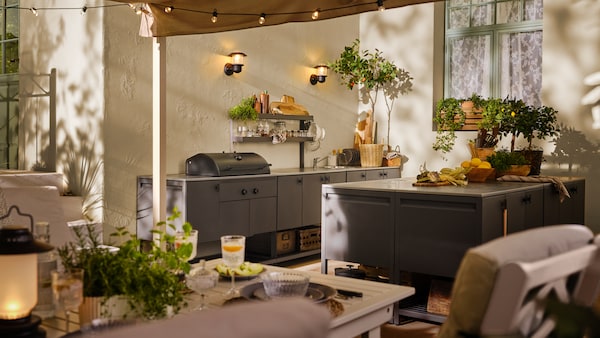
(501, 285)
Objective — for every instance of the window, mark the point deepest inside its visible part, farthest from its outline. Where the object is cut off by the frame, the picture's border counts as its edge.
(9, 36)
(494, 48)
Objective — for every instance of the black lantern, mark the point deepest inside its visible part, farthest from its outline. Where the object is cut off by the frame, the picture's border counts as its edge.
(18, 294)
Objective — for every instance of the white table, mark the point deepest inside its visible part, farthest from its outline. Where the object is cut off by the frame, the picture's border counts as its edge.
(361, 315)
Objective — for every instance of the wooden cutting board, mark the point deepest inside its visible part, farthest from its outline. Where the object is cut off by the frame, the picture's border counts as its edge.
(430, 184)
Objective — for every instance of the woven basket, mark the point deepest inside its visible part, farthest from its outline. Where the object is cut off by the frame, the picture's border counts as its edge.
(518, 170)
(371, 155)
(481, 153)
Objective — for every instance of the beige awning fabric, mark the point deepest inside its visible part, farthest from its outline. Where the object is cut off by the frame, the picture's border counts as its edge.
(185, 17)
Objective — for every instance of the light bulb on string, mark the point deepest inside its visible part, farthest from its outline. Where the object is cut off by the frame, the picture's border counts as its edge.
(214, 19)
(380, 5)
(34, 11)
(315, 14)
(169, 9)
(262, 18)
(83, 10)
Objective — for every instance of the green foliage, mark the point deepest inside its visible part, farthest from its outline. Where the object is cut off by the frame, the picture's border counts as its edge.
(244, 110)
(149, 279)
(448, 118)
(502, 160)
(530, 122)
(374, 73)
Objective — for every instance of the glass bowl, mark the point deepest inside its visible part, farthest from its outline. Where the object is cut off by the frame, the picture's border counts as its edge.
(285, 284)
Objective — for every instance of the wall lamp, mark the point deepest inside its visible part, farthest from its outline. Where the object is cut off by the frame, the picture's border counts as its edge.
(320, 75)
(235, 66)
(18, 295)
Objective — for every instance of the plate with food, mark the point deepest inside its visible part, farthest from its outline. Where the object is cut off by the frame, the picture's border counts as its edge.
(247, 270)
(318, 293)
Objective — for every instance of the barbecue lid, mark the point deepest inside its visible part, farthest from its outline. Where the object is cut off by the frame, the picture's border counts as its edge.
(226, 164)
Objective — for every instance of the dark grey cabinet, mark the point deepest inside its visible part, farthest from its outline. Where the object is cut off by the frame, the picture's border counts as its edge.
(311, 194)
(570, 210)
(289, 202)
(248, 206)
(202, 209)
(373, 174)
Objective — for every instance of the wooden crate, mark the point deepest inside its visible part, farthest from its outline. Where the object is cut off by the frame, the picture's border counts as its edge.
(438, 301)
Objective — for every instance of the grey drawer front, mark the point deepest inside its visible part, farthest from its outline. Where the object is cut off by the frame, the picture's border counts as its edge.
(241, 190)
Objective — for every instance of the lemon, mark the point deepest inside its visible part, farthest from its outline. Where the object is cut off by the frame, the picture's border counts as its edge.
(475, 162)
(465, 164)
(485, 164)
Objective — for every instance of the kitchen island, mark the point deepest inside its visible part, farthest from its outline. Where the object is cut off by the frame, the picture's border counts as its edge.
(399, 228)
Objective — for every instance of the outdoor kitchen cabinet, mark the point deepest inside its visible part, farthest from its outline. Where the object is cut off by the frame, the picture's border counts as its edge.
(299, 198)
(373, 174)
(426, 231)
(570, 210)
(247, 206)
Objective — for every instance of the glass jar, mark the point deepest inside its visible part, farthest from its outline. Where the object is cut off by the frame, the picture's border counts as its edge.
(280, 128)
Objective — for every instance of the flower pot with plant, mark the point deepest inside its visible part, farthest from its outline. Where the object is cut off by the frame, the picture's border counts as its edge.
(453, 114)
(149, 280)
(374, 75)
(530, 123)
(243, 112)
(509, 163)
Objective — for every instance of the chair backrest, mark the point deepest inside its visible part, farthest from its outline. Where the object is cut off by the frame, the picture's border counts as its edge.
(500, 285)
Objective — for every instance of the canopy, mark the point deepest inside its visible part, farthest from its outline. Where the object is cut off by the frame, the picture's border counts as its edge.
(162, 18)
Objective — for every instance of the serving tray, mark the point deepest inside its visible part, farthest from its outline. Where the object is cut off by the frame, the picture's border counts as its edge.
(318, 293)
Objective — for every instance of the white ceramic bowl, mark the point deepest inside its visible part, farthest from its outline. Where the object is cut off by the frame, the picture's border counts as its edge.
(285, 284)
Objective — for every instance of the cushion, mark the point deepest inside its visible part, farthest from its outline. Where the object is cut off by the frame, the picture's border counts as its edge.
(477, 272)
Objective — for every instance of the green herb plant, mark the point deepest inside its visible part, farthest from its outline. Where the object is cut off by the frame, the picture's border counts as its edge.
(149, 279)
(244, 111)
(503, 159)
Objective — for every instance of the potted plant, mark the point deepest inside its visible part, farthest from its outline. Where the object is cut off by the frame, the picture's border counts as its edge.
(452, 114)
(245, 110)
(531, 123)
(149, 280)
(374, 74)
(509, 163)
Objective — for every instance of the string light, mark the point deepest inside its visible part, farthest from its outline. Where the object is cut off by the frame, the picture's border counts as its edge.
(169, 9)
(34, 11)
(315, 14)
(380, 5)
(262, 18)
(214, 16)
(83, 10)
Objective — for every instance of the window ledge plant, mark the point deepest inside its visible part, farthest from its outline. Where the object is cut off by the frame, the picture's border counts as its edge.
(149, 279)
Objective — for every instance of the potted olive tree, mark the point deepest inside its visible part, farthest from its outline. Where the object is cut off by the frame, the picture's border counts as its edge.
(530, 123)
(374, 75)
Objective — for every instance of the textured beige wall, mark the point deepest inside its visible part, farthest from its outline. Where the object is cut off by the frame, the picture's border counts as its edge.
(105, 78)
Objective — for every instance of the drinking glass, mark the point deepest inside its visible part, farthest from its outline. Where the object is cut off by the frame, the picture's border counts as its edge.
(180, 239)
(232, 250)
(67, 289)
(200, 280)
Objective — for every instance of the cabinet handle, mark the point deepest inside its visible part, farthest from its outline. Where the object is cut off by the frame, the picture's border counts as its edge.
(299, 180)
(327, 178)
(217, 187)
(573, 190)
(363, 175)
(255, 191)
(526, 199)
(244, 191)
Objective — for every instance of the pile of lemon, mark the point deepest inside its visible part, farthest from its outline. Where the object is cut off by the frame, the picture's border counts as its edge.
(476, 162)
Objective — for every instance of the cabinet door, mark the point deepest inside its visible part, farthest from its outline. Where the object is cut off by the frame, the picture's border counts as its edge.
(234, 218)
(570, 210)
(289, 202)
(392, 172)
(525, 210)
(311, 195)
(358, 227)
(356, 176)
(202, 209)
(433, 232)
(263, 215)
(376, 174)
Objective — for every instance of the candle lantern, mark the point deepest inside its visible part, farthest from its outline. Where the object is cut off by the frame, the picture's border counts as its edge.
(18, 294)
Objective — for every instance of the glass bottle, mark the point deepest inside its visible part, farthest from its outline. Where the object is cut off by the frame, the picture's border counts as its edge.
(47, 261)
